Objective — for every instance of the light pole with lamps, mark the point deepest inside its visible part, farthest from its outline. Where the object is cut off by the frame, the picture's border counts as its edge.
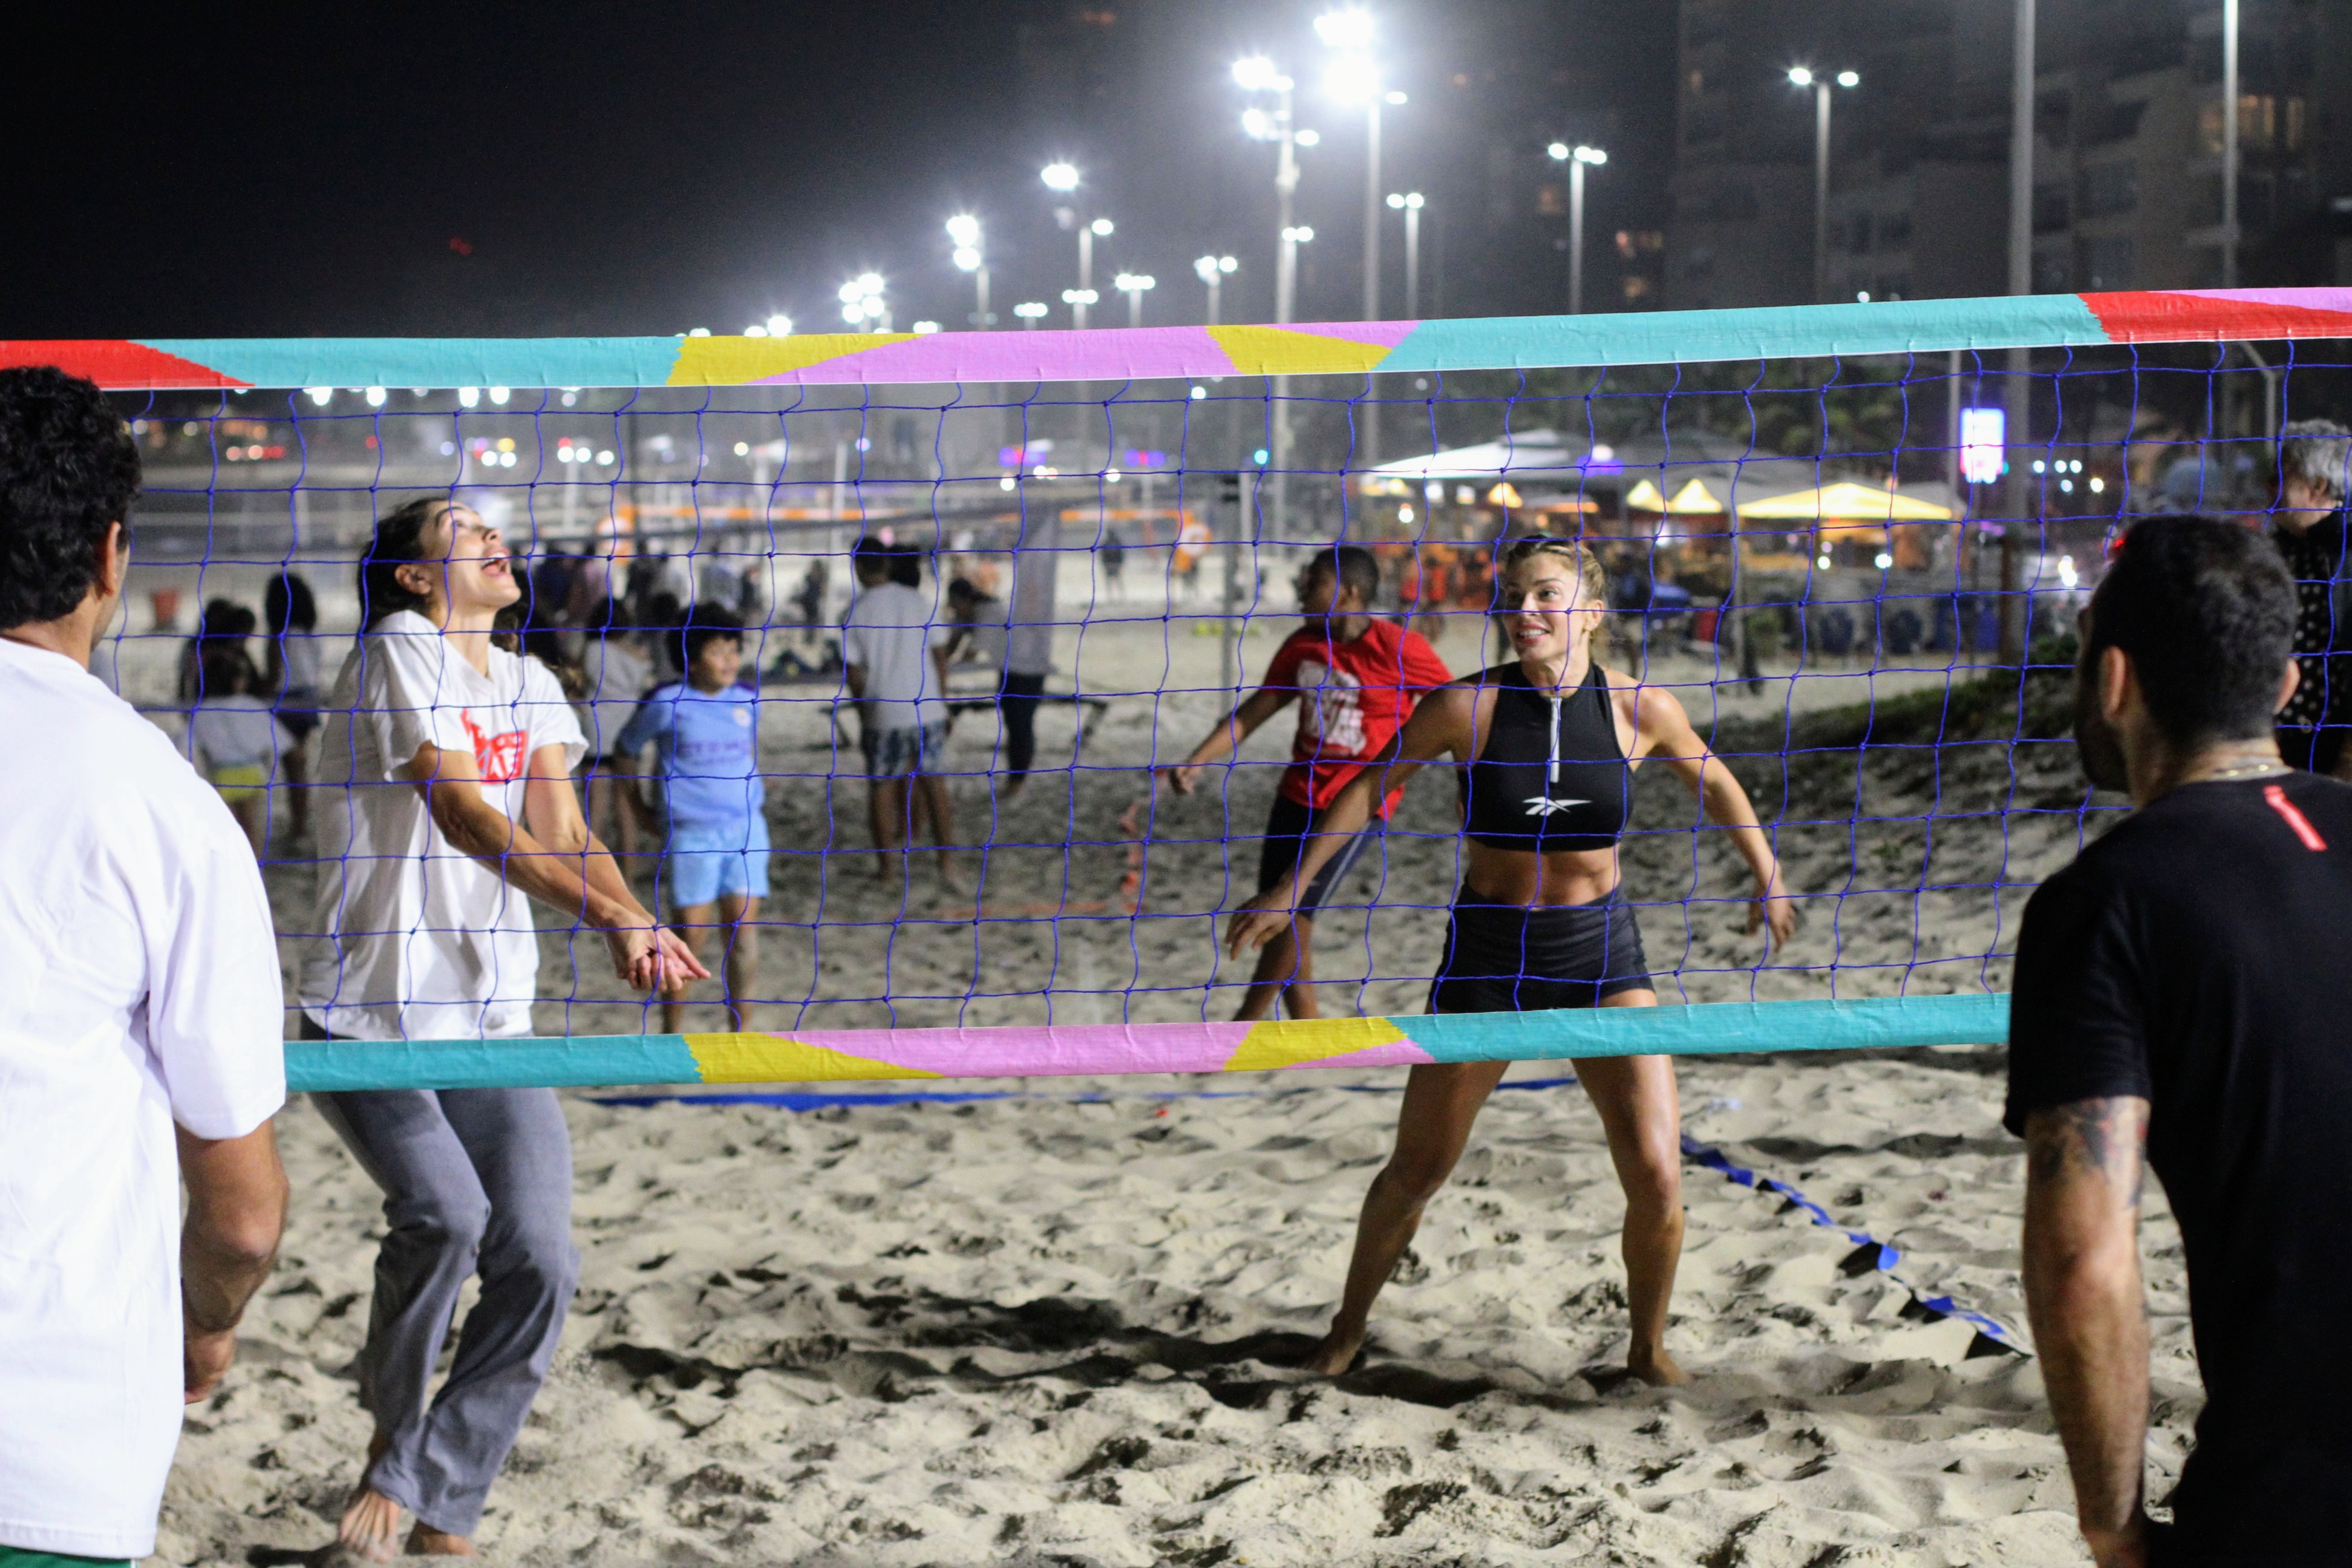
(1805, 76)
(1212, 271)
(1257, 74)
(1578, 158)
(1135, 285)
(963, 230)
(1409, 203)
(1063, 178)
(863, 299)
(1354, 78)
(1031, 313)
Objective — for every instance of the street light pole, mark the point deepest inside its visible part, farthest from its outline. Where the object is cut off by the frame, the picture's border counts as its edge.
(1409, 203)
(2229, 143)
(1211, 271)
(1803, 76)
(2018, 395)
(1577, 158)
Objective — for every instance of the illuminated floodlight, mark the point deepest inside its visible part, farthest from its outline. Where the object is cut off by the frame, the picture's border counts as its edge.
(1849, 78)
(850, 293)
(1308, 138)
(604, 459)
(1060, 176)
(698, 332)
(466, 395)
(1393, 99)
(1346, 29)
(323, 395)
(872, 305)
(1301, 235)
(779, 326)
(499, 395)
(1557, 151)
(1100, 225)
(1226, 264)
(1257, 125)
(1589, 155)
(869, 283)
(1257, 74)
(967, 260)
(1801, 76)
(375, 397)
(964, 229)
(1199, 393)
(1080, 297)
(853, 314)
(925, 329)
(1029, 310)
(1353, 79)
(755, 331)
(742, 448)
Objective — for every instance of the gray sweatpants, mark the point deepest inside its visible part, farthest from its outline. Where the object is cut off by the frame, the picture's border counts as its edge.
(474, 1180)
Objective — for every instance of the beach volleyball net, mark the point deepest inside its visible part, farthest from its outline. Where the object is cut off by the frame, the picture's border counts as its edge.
(1849, 540)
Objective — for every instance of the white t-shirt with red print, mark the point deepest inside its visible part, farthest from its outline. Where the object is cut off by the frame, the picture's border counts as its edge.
(1352, 697)
(414, 938)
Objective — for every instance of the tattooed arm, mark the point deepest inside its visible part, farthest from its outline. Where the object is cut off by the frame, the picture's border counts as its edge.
(2090, 1322)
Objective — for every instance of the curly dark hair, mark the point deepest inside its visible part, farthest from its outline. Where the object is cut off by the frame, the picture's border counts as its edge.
(2207, 611)
(69, 468)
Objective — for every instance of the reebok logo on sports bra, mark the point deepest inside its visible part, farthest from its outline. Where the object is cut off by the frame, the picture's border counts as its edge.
(1544, 805)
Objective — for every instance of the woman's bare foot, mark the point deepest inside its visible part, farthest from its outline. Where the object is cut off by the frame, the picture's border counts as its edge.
(427, 1541)
(1336, 1354)
(371, 1524)
(1656, 1368)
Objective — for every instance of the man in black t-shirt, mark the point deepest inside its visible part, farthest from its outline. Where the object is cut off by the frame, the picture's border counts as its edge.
(2180, 996)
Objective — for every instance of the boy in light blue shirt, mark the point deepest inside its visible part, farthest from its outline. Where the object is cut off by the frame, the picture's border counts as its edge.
(714, 869)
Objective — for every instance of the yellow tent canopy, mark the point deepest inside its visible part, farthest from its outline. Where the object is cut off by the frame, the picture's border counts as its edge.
(1695, 496)
(1847, 501)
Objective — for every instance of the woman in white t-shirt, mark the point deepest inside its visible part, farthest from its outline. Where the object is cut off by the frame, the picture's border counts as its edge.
(446, 792)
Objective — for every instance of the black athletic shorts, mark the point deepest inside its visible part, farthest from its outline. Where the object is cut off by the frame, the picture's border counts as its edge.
(1500, 958)
(1290, 828)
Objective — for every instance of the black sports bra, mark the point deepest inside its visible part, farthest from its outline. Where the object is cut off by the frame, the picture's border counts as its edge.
(1551, 774)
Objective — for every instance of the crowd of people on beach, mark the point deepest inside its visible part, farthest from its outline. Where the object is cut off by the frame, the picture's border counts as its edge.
(2174, 1004)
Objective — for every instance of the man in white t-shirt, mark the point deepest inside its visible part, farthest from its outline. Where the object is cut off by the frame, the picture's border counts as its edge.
(141, 1022)
(894, 648)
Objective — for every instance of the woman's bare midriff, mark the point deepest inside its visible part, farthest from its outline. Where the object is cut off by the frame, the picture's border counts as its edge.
(1529, 880)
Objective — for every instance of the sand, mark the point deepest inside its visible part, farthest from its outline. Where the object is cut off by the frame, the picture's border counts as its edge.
(1059, 1327)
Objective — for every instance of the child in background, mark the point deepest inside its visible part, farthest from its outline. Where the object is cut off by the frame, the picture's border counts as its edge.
(715, 864)
(1356, 678)
(614, 676)
(293, 677)
(235, 740)
(894, 648)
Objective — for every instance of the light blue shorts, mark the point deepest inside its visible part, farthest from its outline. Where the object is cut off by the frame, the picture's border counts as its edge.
(703, 860)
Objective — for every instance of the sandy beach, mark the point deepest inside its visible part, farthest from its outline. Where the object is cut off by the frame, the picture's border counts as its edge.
(1058, 1325)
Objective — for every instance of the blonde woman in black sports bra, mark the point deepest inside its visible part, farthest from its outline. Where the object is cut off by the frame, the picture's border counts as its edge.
(1547, 745)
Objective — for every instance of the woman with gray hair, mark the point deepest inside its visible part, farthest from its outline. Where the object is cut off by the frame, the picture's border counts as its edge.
(2308, 525)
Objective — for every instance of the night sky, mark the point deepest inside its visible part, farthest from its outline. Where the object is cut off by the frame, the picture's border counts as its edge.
(282, 171)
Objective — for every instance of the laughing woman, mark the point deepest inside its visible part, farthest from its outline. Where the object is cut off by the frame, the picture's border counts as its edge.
(1547, 745)
(445, 792)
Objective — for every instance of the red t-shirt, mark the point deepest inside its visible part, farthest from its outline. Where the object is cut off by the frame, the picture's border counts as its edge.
(1352, 697)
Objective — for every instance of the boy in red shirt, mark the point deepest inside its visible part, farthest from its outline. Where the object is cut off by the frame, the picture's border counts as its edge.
(1356, 679)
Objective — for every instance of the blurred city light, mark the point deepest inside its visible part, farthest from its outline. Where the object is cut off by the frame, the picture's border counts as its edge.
(1346, 29)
